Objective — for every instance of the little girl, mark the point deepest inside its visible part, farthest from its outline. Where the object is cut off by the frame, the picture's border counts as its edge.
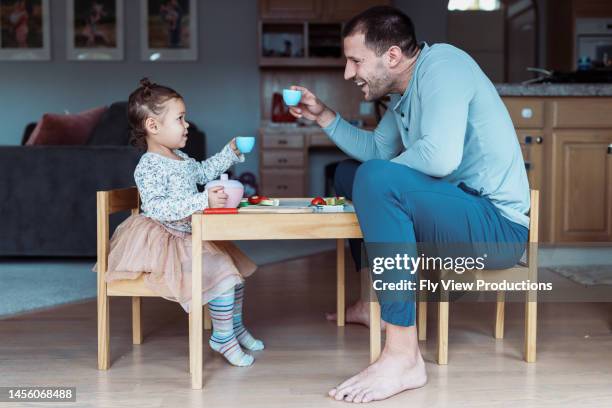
(157, 242)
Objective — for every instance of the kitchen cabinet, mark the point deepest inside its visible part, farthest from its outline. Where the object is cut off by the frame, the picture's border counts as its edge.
(567, 147)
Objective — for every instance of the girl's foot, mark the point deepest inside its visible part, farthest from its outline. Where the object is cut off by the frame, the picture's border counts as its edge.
(246, 340)
(228, 346)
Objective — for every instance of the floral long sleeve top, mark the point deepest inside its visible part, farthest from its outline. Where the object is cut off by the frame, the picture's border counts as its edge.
(168, 187)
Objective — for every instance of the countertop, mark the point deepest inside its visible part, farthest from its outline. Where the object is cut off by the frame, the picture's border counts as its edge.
(554, 89)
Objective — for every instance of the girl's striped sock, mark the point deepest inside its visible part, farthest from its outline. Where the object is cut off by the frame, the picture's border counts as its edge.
(243, 336)
(223, 339)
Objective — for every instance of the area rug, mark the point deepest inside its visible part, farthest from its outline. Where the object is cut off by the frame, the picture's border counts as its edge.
(589, 275)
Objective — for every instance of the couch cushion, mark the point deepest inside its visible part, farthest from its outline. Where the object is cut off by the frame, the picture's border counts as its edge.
(113, 128)
(55, 129)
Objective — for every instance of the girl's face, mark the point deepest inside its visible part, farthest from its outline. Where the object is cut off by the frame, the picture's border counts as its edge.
(170, 128)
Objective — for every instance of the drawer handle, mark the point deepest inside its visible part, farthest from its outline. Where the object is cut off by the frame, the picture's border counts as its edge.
(282, 142)
(527, 166)
(610, 148)
(282, 160)
(526, 113)
(281, 187)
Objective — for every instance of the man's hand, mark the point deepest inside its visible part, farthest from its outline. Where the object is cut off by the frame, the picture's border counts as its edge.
(311, 108)
(216, 197)
(235, 149)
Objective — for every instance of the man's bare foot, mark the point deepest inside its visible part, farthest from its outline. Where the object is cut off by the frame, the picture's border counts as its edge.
(392, 373)
(358, 313)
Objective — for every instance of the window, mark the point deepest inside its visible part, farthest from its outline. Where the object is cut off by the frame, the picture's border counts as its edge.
(486, 5)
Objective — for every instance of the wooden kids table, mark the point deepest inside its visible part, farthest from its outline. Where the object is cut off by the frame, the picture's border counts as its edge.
(271, 226)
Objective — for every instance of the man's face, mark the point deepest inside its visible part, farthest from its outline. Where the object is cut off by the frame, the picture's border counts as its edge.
(365, 68)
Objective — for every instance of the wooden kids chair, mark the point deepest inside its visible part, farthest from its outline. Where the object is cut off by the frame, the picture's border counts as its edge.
(517, 273)
(110, 202)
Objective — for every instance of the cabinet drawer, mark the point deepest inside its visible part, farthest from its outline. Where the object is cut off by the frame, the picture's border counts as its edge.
(282, 183)
(525, 112)
(282, 158)
(283, 140)
(582, 113)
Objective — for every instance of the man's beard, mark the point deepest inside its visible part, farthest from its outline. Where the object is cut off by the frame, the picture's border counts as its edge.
(378, 87)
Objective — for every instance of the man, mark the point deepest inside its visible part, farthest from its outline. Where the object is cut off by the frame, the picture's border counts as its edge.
(443, 166)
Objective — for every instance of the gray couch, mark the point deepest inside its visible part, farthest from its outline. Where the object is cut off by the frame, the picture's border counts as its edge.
(48, 193)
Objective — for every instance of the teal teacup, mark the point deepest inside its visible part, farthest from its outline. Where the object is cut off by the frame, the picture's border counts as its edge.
(292, 96)
(245, 143)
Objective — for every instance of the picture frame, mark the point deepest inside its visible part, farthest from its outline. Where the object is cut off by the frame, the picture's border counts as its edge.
(25, 33)
(169, 30)
(95, 30)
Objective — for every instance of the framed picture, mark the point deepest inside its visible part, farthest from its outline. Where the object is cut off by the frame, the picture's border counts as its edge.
(169, 30)
(95, 30)
(24, 30)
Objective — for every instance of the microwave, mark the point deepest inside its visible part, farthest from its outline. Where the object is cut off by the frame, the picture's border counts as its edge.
(594, 41)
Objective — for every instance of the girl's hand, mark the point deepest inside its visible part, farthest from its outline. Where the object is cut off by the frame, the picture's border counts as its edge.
(216, 197)
(237, 151)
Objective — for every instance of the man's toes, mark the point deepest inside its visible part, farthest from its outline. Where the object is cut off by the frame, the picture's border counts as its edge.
(350, 396)
(359, 397)
(343, 393)
(332, 392)
(368, 397)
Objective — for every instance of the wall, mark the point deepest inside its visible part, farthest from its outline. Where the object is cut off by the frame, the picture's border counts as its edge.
(221, 89)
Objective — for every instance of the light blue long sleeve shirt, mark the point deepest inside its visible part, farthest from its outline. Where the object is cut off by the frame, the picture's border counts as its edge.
(450, 123)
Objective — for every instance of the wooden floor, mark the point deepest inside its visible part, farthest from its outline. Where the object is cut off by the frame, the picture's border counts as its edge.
(305, 355)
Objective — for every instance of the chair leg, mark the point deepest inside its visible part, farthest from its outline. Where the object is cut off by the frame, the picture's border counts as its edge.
(531, 319)
(136, 320)
(499, 315)
(207, 319)
(340, 282)
(422, 321)
(195, 349)
(190, 319)
(103, 327)
(375, 334)
(443, 330)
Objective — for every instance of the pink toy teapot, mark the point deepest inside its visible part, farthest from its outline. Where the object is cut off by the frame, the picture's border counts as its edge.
(233, 188)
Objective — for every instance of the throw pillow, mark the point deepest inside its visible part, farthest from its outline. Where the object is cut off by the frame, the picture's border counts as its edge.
(54, 129)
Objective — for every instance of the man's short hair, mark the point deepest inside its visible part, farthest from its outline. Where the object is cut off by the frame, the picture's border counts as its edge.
(383, 27)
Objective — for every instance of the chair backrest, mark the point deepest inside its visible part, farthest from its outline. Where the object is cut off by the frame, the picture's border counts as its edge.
(110, 202)
(534, 214)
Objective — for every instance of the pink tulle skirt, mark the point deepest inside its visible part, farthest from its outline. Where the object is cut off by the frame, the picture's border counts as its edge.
(141, 245)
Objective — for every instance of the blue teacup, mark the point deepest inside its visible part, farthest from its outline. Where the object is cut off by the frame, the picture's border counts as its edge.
(245, 143)
(291, 96)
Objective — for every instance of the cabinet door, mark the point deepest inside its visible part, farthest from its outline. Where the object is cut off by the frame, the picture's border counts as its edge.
(531, 145)
(343, 10)
(582, 186)
(290, 9)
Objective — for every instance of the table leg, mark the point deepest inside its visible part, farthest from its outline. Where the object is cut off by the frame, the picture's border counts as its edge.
(196, 303)
(340, 282)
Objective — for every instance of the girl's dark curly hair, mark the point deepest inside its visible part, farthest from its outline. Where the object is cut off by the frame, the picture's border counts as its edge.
(146, 101)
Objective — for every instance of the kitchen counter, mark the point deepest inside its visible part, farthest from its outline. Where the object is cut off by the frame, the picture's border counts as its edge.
(554, 89)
